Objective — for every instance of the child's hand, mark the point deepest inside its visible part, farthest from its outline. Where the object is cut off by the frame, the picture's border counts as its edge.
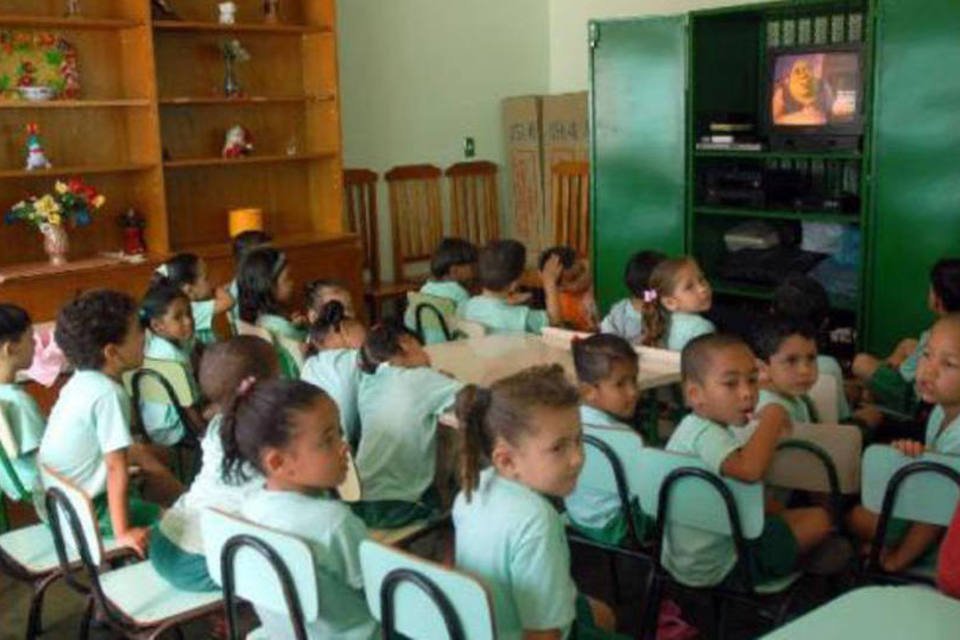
(910, 448)
(551, 272)
(223, 301)
(135, 538)
(518, 297)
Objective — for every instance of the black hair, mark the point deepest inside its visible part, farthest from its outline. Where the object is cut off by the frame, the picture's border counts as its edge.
(257, 281)
(697, 355)
(504, 411)
(594, 356)
(14, 322)
(568, 257)
(157, 300)
(501, 263)
(261, 417)
(450, 253)
(382, 343)
(329, 319)
(802, 298)
(315, 288)
(228, 363)
(771, 332)
(636, 274)
(179, 271)
(247, 240)
(87, 324)
(945, 282)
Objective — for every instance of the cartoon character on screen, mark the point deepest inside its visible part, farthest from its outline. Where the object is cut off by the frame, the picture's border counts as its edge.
(802, 96)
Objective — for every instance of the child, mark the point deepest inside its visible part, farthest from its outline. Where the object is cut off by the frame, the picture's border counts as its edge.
(578, 309)
(88, 435)
(626, 317)
(500, 266)
(334, 367)
(188, 273)
(938, 382)
(452, 270)
(720, 384)
(787, 356)
(400, 399)
(165, 313)
(320, 292)
(289, 431)
(243, 243)
(526, 427)
(803, 299)
(607, 368)
(891, 382)
(677, 294)
(176, 542)
(19, 408)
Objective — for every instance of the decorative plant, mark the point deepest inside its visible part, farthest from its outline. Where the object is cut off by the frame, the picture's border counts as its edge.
(72, 201)
(233, 52)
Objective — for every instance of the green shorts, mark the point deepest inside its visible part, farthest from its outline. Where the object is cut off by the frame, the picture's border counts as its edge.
(771, 556)
(391, 514)
(584, 626)
(140, 513)
(184, 570)
(897, 529)
(892, 391)
(614, 532)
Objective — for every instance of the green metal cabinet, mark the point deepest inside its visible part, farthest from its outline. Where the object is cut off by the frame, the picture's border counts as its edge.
(638, 142)
(915, 216)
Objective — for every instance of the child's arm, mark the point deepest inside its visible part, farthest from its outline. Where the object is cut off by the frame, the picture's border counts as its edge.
(551, 291)
(918, 539)
(117, 485)
(749, 463)
(911, 448)
(222, 300)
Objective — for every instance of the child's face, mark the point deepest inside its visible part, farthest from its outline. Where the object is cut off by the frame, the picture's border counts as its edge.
(549, 456)
(19, 352)
(200, 289)
(412, 355)
(316, 455)
(127, 354)
(176, 323)
(284, 286)
(691, 291)
(728, 392)
(617, 393)
(792, 370)
(938, 371)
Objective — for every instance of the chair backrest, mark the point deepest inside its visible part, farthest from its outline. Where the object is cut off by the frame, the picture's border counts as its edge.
(693, 500)
(416, 214)
(350, 489)
(842, 446)
(169, 383)
(271, 569)
(823, 394)
(612, 464)
(923, 489)
(85, 536)
(8, 443)
(420, 599)
(9, 449)
(431, 315)
(360, 205)
(570, 198)
(474, 201)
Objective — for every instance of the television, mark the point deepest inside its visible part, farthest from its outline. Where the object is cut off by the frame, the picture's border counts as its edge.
(815, 97)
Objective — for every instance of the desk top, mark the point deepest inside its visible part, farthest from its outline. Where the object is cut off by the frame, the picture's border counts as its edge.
(485, 360)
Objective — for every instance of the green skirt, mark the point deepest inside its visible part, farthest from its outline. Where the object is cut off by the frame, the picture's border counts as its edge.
(391, 514)
(614, 533)
(184, 570)
(140, 513)
(892, 391)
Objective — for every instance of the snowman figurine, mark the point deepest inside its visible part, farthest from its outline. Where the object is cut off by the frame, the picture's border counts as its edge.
(36, 159)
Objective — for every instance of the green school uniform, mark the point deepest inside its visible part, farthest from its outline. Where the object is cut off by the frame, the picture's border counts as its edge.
(894, 388)
(448, 289)
(336, 372)
(27, 424)
(333, 534)
(940, 437)
(799, 409)
(280, 326)
(203, 312)
(160, 421)
(500, 317)
(684, 327)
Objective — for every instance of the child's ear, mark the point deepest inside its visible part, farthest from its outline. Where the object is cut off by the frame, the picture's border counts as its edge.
(154, 325)
(273, 460)
(669, 303)
(588, 392)
(692, 393)
(503, 460)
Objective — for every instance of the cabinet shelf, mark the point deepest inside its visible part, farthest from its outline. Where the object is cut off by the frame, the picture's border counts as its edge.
(778, 155)
(71, 170)
(215, 27)
(763, 292)
(774, 214)
(226, 162)
(95, 24)
(74, 104)
(245, 101)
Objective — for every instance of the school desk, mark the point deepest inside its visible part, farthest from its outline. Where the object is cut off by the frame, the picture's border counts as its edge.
(879, 613)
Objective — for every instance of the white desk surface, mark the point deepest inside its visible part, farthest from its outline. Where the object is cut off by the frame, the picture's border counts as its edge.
(485, 360)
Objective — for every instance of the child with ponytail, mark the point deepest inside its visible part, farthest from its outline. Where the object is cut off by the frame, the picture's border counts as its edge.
(525, 430)
(289, 431)
(672, 303)
(188, 273)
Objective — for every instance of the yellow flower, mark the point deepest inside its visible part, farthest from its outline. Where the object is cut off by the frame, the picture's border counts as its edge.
(60, 187)
(55, 219)
(98, 201)
(47, 206)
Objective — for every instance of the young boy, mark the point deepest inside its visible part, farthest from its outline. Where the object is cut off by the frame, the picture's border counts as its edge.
(500, 267)
(578, 309)
(787, 356)
(719, 375)
(452, 270)
(88, 435)
(625, 318)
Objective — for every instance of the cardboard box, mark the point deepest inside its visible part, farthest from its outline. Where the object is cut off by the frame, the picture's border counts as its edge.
(565, 138)
(522, 137)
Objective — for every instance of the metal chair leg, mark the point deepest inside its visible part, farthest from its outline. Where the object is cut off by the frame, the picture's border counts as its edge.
(35, 617)
(86, 620)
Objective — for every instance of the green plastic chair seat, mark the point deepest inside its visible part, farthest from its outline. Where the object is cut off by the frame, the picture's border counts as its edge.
(147, 599)
(32, 548)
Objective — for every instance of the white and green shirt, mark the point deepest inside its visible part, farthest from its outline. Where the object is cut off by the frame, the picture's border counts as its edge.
(498, 316)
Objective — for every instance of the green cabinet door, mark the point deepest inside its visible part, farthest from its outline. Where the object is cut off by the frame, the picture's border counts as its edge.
(916, 162)
(638, 142)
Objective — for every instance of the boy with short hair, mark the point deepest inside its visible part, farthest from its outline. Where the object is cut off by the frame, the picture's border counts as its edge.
(786, 352)
(452, 270)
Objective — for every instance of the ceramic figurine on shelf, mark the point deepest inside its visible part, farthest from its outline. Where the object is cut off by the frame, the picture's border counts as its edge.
(73, 8)
(237, 142)
(271, 11)
(36, 159)
(160, 10)
(228, 12)
(133, 224)
(233, 52)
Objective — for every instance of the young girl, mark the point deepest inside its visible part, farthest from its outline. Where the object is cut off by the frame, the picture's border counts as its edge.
(290, 432)
(334, 368)
(188, 273)
(400, 399)
(322, 292)
(625, 319)
(508, 534)
(243, 243)
(21, 411)
(176, 543)
(677, 294)
(165, 313)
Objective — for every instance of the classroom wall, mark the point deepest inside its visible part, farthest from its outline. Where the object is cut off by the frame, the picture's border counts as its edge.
(416, 76)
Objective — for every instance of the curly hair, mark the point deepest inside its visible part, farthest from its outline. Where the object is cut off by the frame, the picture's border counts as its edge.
(92, 321)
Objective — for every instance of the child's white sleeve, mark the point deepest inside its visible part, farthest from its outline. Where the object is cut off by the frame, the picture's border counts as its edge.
(112, 416)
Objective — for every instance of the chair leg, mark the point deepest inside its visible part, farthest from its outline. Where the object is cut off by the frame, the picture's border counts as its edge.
(719, 616)
(35, 618)
(86, 620)
(614, 577)
(651, 606)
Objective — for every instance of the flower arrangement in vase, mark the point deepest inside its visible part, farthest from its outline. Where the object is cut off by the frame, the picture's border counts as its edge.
(72, 202)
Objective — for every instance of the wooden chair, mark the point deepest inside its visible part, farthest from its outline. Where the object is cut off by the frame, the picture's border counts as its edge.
(570, 205)
(474, 201)
(416, 217)
(360, 206)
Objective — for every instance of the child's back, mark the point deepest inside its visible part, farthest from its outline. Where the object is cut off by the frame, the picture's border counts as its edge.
(27, 426)
(452, 264)
(336, 371)
(625, 318)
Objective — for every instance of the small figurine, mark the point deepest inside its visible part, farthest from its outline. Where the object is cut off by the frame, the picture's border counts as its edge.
(237, 142)
(228, 12)
(133, 224)
(271, 11)
(73, 8)
(36, 159)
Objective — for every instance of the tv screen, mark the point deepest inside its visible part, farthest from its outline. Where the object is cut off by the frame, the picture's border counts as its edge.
(814, 89)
